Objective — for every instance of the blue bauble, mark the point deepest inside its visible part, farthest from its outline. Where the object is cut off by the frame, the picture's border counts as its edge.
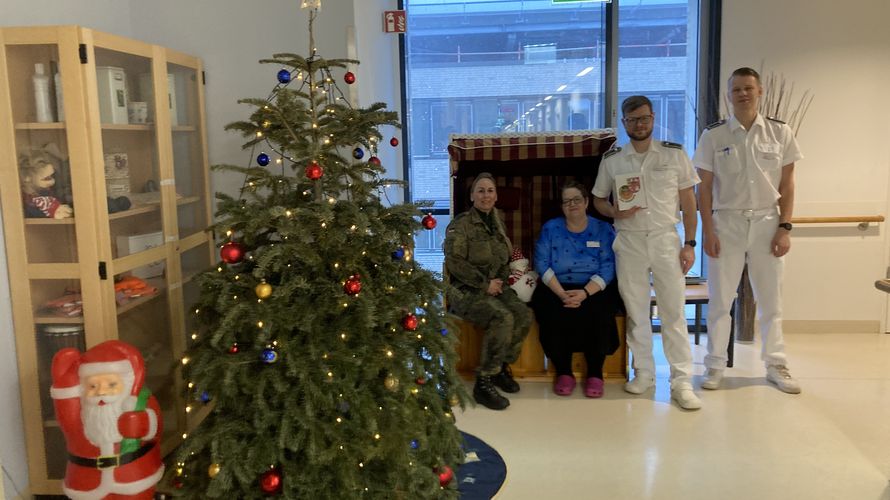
(205, 397)
(284, 76)
(398, 254)
(358, 154)
(262, 159)
(269, 355)
(415, 444)
(444, 331)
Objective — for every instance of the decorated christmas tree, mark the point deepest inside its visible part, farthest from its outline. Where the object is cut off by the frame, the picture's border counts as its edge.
(320, 356)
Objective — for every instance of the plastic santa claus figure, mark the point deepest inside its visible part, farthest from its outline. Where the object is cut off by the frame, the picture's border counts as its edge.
(112, 424)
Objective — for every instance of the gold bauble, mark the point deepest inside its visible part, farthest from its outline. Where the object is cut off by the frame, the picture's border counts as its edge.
(391, 382)
(263, 290)
(213, 470)
(454, 400)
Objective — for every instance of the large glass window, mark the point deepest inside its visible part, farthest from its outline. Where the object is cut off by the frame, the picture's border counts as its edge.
(493, 66)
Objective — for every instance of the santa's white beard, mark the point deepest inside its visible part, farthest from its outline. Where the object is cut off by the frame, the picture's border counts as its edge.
(100, 421)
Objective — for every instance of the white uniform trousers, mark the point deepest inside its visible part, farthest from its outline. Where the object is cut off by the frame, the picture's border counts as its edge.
(637, 253)
(745, 236)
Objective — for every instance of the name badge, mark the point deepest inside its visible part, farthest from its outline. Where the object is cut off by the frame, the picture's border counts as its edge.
(593, 244)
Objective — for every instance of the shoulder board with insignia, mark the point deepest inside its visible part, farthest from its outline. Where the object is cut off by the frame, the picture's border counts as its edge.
(669, 144)
(775, 120)
(715, 124)
(611, 152)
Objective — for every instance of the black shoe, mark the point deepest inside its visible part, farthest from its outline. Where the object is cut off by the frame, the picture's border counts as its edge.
(504, 380)
(486, 395)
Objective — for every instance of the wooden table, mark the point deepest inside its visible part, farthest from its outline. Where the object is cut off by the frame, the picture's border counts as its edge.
(697, 295)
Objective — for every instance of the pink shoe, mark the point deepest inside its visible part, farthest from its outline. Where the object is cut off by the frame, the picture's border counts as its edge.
(593, 387)
(564, 385)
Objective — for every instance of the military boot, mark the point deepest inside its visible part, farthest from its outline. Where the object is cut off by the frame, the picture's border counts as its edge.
(505, 381)
(486, 395)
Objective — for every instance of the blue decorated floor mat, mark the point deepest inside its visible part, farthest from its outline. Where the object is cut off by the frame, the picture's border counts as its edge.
(483, 471)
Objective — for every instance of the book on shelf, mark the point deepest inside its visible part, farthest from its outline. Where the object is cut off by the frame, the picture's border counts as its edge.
(630, 191)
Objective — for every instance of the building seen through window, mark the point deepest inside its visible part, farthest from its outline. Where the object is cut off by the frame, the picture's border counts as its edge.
(501, 66)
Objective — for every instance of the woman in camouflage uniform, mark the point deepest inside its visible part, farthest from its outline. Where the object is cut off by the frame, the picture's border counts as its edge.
(477, 254)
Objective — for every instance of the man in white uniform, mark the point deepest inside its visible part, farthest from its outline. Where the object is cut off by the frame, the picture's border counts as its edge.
(746, 196)
(648, 241)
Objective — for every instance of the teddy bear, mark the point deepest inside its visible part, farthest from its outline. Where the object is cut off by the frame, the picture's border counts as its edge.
(37, 176)
(522, 279)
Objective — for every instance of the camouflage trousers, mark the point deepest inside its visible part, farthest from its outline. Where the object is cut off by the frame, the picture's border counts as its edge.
(504, 318)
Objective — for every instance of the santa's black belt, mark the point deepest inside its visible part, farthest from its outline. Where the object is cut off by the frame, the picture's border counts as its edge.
(107, 461)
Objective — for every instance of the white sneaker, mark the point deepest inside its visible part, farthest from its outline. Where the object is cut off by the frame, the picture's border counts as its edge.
(778, 374)
(640, 384)
(713, 379)
(686, 398)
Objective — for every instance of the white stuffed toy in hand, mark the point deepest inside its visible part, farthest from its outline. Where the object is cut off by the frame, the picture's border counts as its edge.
(522, 279)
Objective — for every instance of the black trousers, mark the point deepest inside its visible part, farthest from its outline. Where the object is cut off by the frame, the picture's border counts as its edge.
(589, 329)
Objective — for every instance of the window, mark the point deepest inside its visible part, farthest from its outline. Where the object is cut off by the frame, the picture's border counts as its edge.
(493, 66)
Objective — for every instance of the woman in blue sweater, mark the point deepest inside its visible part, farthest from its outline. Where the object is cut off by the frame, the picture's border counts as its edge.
(575, 312)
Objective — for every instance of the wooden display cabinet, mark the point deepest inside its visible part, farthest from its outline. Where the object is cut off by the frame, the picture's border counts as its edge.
(124, 135)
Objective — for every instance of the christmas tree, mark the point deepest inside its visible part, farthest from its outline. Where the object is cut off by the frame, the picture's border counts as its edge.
(320, 356)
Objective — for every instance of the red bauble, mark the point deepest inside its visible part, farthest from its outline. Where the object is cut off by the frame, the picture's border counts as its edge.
(234, 348)
(409, 322)
(177, 483)
(374, 160)
(349, 77)
(314, 171)
(270, 482)
(445, 475)
(232, 253)
(394, 142)
(429, 221)
(353, 285)
(421, 380)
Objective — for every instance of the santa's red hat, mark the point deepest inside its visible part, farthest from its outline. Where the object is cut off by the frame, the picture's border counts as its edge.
(114, 356)
(517, 254)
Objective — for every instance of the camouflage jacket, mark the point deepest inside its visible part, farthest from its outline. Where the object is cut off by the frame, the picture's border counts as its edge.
(473, 254)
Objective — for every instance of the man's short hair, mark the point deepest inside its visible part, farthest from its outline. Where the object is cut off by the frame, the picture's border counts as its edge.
(633, 102)
(744, 71)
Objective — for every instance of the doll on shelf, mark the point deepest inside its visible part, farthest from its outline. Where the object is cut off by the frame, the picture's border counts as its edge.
(36, 172)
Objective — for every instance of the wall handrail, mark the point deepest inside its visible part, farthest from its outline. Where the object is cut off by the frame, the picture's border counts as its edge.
(862, 220)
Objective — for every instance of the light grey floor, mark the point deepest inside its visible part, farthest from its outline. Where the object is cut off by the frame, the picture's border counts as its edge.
(750, 441)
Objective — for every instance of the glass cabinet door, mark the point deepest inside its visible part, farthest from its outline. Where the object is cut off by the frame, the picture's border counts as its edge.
(190, 174)
(138, 227)
(40, 217)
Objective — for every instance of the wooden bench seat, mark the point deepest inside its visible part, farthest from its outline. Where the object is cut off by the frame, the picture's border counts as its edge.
(532, 364)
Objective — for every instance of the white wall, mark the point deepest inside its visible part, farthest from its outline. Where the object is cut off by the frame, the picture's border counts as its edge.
(841, 52)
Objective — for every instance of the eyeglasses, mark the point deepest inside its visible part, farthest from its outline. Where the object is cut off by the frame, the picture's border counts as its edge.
(642, 120)
(578, 200)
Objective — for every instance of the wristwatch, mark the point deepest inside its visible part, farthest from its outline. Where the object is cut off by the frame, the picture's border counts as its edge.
(690, 243)
(786, 226)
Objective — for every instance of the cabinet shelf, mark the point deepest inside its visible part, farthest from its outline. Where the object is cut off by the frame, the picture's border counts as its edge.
(152, 207)
(183, 128)
(38, 221)
(141, 127)
(44, 319)
(40, 126)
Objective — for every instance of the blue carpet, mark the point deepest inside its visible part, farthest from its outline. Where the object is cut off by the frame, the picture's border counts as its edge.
(483, 471)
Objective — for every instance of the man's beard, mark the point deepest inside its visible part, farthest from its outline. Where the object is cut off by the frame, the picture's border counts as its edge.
(640, 136)
(100, 421)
